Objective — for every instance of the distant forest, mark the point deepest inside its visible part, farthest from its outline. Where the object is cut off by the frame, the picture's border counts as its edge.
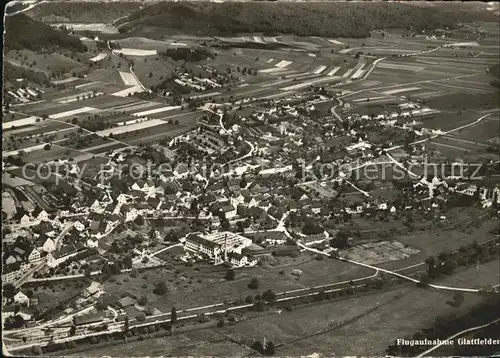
(334, 19)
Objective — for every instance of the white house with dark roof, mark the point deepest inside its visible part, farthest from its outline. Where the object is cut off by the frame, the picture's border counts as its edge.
(79, 226)
(21, 299)
(35, 255)
(229, 210)
(43, 216)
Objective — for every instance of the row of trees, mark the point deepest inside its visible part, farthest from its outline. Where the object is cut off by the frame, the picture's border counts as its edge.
(445, 263)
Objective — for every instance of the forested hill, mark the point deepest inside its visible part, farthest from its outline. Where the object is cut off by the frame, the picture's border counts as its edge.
(22, 32)
(333, 19)
(82, 11)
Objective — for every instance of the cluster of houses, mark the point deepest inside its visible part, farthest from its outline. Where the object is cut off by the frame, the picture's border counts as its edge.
(25, 94)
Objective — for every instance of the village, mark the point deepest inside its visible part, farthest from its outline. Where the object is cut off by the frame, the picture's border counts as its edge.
(162, 184)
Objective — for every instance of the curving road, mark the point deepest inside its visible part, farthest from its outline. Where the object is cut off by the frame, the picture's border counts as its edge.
(443, 133)
(440, 287)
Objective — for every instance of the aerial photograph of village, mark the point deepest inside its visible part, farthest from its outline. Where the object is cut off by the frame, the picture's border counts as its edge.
(251, 178)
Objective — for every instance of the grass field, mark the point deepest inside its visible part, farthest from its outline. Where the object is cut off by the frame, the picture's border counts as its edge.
(207, 342)
(47, 63)
(375, 319)
(56, 152)
(189, 292)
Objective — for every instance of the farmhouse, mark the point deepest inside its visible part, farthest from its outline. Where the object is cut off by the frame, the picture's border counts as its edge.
(21, 299)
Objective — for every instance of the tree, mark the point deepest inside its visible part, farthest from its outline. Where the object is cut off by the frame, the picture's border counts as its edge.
(127, 262)
(220, 324)
(270, 349)
(243, 183)
(160, 288)
(254, 284)
(260, 306)
(72, 331)
(269, 296)
(230, 275)
(143, 301)
(431, 265)
(173, 315)
(9, 291)
(141, 317)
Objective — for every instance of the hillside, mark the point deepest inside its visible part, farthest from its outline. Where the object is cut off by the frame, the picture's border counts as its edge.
(22, 32)
(335, 19)
(12, 72)
(83, 12)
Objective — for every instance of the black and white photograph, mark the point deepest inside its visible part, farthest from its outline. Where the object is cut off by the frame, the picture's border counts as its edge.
(234, 178)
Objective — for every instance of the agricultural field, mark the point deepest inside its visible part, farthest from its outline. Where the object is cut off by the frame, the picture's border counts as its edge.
(186, 284)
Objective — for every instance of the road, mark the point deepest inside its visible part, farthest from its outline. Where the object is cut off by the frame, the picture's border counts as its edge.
(24, 277)
(443, 133)
(33, 3)
(430, 350)
(221, 124)
(67, 228)
(440, 287)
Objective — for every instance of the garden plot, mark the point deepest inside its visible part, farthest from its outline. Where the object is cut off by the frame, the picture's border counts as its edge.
(135, 52)
(66, 80)
(76, 98)
(378, 252)
(98, 57)
(73, 112)
(87, 84)
(320, 69)
(105, 75)
(24, 150)
(283, 64)
(401, 90)
(136, 106)
(128, 78)
(336, 42)
(46, 127)
(155, 134)
(20, 122)
(128, 91)
(277, 70)
(311, 83)
(156, 110)
(104, 148)
(108, 102)
(333, 71)
(358, 73)
(131, 128)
